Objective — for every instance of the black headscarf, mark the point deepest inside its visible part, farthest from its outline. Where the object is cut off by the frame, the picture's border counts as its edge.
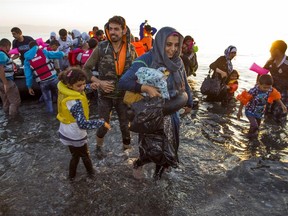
(160, 58)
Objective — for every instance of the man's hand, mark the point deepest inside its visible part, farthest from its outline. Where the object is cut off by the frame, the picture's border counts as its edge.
(107, 86)
(95, 85)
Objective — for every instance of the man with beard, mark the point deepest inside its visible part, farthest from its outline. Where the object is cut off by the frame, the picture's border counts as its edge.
(112, 58)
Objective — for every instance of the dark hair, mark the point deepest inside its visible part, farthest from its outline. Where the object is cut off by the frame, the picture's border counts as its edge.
(148, 28)
(5, 42)
(99, 32)
(265, 79)
(92, 43)
(188, 37)
(95, 28)
(234, 72)
(54, 42)
(72, 75)
(17, 30)
(118, 20)
(32, 44)
(280, 44)
(63, 32)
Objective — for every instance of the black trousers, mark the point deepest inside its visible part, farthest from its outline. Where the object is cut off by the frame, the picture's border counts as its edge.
(77, 153)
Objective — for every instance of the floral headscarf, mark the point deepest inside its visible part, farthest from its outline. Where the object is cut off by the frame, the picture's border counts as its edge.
(227, 53)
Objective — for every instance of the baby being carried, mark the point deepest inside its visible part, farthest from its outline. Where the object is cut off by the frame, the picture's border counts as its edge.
(153, 77)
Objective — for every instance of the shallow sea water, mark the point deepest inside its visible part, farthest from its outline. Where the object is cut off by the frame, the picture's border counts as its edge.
(221, 172)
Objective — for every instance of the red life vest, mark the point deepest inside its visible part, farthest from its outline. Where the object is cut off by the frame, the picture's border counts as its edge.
(72, 56)
(85, 56)
(42, 67)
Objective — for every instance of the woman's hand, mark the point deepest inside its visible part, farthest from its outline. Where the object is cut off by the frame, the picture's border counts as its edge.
(222, 73)
(150, 90)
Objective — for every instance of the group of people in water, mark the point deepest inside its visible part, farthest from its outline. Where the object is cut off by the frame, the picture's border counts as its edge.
(269, 95)
(110, 62)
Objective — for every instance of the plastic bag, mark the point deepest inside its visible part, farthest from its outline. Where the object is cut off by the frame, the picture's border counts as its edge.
(147, 115)
(156, 148)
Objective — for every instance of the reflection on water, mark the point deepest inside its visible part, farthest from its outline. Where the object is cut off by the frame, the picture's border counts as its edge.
(220, 171)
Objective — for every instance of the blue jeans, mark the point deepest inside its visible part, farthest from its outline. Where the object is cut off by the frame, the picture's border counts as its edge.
(49, 89)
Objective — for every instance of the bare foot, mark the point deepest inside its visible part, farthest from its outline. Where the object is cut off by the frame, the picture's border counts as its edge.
(138, 173)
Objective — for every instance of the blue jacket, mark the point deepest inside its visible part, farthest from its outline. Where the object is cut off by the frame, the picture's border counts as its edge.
(30, 54)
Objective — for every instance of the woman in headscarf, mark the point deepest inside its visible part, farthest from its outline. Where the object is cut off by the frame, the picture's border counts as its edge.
(189, 55)
(165, 53)
(222, 68)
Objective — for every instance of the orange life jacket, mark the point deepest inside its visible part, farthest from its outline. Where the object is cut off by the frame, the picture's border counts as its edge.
(139, 47)
(147, 41)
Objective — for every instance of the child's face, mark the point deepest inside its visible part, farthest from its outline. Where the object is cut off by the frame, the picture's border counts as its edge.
(7, 48)
(264, 87)
(79, 86)
(234, 77)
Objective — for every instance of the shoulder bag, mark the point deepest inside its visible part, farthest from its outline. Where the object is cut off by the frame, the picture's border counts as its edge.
(211, 86)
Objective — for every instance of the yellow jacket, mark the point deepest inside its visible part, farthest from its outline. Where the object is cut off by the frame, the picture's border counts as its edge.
(65, 94)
